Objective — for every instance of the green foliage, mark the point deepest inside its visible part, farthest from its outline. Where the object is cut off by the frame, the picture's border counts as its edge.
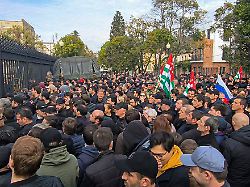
(234, 20)
(120, 54)
(72, 45)
(138, 29)
(157, 40)
(23, 36)
(181, 18)
(117, 26)
(156, 43)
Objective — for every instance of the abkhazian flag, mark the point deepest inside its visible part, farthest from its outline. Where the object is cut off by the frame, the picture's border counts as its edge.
(167, 75)
(191, 83)
(239, 74)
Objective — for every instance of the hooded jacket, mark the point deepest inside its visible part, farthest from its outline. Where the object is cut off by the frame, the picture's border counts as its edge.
(58, 162)
(87, 157)
(78, 143)
(236, 150)
(133, 134)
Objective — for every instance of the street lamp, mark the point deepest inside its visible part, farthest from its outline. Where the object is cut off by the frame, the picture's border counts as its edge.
(61, 43)
(168, 47)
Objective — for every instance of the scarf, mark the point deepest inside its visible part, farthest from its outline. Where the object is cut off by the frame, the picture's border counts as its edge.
(174, 161)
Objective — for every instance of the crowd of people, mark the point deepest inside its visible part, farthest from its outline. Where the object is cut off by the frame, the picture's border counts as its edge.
(122, 130)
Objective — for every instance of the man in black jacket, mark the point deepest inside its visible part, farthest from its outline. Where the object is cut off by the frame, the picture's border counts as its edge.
(25, 160)
(236, 150)
(103, 172)
(24, 119)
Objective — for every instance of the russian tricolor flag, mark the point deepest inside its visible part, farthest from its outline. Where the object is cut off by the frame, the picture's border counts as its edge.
(222, 87)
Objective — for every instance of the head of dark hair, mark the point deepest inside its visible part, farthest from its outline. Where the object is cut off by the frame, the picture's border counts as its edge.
(220, 107)
(86, 98)
(177, 138)
(88, 133)
(82, 109)
(191, 89)
(37, 89)
(197, 114)
(69, 126)
(113, 98)
(188, 146)
(208, 100)
(53, 121)
(243, 101)
(184, 100)
(103, 137)
(45, 94)
(9, 113)
(132, 115)
(25, 112)
(162, 138)
(200, 98)
(213, 123)
(35, 132)
(93, 88)
(175, 92)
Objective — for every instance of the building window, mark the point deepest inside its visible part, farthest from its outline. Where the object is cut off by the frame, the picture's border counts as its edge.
(199, 69)
(222, 70)
(195, 70)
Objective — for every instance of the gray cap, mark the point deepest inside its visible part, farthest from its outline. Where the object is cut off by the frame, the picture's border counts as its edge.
(205, 157)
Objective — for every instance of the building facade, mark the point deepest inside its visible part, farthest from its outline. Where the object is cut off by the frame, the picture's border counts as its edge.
(5, 25)
(48, 48)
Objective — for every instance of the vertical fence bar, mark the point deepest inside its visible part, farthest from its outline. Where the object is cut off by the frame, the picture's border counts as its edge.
(2, 92)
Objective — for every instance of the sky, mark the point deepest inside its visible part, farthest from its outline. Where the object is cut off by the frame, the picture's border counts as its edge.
(91, 18)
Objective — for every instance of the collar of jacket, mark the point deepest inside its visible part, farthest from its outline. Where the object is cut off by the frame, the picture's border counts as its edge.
(104, 153)
(174, 161)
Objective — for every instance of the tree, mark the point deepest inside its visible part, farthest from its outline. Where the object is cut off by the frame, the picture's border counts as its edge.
(156, 44)
(138, 29)
(120, 54)
(23, 36)
(181, 18)
(72, 45)
(233, 21)
(117, 26)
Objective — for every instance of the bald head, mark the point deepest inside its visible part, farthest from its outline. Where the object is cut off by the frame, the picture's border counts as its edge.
(96, 117)
(240, 120)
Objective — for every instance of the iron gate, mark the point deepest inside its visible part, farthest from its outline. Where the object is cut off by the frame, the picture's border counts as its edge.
(20, 64)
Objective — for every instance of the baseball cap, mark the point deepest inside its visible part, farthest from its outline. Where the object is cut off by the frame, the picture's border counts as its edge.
(158, 96)
(205, 157)
(50, 110)
(18, 99)
(51, 137)
(60, 101)
(141, 162)
(121, 105)
(41, 105)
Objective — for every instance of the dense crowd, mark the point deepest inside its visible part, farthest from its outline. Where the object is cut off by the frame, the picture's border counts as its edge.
(122, 130)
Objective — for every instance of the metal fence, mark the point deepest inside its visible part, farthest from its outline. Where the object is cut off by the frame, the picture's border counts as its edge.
(19, 65)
